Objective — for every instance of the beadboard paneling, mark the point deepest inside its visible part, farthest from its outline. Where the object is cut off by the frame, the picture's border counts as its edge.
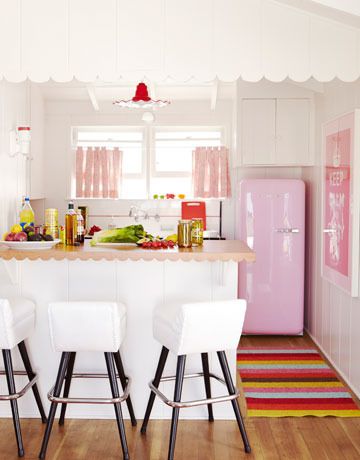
(333, 316)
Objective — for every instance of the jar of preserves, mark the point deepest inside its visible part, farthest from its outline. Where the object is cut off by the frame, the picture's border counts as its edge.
(184, 233)
(197, 232)
(51, 226)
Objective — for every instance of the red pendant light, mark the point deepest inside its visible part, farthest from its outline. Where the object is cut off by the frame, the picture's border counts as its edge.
(141, 100)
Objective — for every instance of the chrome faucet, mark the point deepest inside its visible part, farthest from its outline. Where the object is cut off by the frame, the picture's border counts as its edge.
(137, 212)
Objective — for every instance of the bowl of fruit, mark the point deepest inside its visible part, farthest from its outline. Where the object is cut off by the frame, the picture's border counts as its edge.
(26, 239)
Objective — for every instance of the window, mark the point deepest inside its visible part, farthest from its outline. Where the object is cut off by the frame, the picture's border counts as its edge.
(156, 160)
(130, 141)
(172, 158)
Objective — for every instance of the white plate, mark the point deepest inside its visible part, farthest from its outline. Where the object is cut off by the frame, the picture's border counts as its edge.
(29, 245)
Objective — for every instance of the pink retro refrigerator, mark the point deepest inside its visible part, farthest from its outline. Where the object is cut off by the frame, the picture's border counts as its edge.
(271, 218)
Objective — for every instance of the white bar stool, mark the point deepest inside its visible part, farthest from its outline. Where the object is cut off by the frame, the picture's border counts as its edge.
(199, 327)
(17, 320)
(88, 326)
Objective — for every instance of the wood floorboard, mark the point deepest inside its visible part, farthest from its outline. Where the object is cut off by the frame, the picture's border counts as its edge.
(314, 448)
(271, 439)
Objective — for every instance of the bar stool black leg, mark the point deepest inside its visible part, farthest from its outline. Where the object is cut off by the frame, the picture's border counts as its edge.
(231, 388)
(117, 406)
(68, 377)
(14, 406)
(31, 375)
(57, 390)
(205, 365)
(180, 370)
(120, 368)
(156, 382)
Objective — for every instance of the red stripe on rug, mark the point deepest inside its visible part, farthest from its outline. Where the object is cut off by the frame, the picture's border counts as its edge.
(277, 357)
(286, 373)
(310, 401)
(295, 390)
(302, 406)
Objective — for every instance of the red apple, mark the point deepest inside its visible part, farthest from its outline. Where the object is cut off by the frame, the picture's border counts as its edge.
(21, 236)
(10, 236)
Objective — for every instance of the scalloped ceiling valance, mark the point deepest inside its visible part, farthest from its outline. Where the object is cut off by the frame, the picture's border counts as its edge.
(157, 39)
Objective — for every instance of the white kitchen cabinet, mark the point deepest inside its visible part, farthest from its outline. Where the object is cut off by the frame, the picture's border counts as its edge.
(258, 131)
(292, 131)
(276, 132)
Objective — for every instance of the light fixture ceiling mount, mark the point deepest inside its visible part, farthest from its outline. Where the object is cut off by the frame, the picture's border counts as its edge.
(141, 100)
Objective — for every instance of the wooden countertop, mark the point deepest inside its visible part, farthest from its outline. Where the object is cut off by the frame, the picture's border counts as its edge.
(223, 250)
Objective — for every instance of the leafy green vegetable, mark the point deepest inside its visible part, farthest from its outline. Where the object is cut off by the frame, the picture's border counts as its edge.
(130, 234)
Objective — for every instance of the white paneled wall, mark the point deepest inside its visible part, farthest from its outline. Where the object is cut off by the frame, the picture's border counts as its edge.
(205, 39)
(14, 104)
(37, 143)
(332, 316)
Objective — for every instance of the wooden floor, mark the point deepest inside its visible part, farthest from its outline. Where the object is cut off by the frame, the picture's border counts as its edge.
(271, 439)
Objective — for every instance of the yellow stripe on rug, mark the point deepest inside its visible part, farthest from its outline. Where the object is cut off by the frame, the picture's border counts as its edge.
(291, 384)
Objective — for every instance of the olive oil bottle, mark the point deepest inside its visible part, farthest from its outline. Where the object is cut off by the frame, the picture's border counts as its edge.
(70, 225)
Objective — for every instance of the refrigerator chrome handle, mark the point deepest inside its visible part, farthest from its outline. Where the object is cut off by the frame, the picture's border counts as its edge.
(287, 230)
(329, 230)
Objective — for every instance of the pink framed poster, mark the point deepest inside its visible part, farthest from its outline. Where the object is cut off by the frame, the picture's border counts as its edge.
(340, 201)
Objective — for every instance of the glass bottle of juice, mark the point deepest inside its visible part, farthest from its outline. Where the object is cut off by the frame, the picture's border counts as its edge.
(27, 216)
(70, 225)
(80, 230)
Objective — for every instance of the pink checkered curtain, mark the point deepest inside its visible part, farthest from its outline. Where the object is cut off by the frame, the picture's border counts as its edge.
(98, 172)
(210, 174)
(115, 168)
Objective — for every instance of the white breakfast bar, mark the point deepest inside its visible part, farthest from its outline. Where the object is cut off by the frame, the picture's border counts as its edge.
(139, 278)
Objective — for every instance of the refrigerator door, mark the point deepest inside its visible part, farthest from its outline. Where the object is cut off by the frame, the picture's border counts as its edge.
(271, 221)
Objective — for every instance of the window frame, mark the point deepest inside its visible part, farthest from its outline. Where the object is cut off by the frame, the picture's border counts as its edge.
(148, 158)
(116, 128)
(169, 128)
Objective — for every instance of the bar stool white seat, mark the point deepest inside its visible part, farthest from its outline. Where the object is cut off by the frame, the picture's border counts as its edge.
(88, 326)
(197, 327)
(17, 320)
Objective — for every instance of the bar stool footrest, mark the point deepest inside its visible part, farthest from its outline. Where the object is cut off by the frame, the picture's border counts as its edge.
(20, 393)
(68, 400)
(198, 402)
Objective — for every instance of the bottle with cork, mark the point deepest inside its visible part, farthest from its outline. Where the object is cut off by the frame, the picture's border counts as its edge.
(80, 230)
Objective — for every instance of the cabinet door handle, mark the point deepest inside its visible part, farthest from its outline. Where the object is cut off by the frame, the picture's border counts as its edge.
(287, 230)
(329, 230)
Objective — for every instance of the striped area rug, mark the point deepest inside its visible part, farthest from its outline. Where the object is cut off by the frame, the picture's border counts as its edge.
(291, 382)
